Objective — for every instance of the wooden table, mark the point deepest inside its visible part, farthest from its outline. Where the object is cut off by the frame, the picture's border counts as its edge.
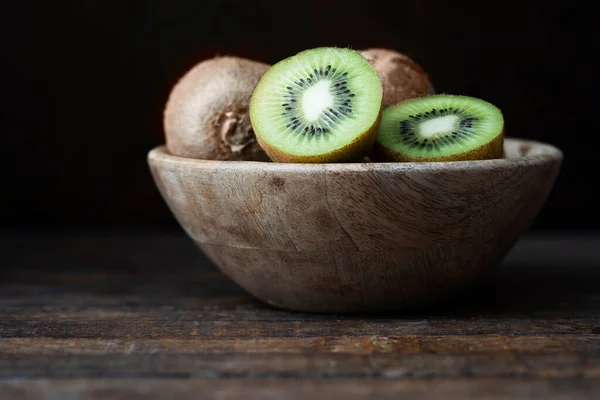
(148, 316)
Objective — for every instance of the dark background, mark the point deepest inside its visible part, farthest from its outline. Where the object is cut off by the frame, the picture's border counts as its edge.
(84, 84)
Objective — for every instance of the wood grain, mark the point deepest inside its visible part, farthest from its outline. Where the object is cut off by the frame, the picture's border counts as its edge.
(267, 389)
(302, 366)
(357, 237)
(399, 344)
(151, 317)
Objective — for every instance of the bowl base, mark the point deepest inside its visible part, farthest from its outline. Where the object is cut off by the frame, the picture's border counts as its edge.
(351, 282)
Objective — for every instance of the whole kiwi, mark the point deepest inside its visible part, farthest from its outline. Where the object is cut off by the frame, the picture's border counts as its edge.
(401, 76)
(206, 114)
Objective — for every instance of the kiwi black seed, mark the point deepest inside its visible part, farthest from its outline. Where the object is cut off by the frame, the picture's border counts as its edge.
(441, 128)
(321, 105)
(341, 108)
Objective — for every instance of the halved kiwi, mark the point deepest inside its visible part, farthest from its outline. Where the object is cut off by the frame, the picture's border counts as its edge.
(320, 105)
(440, 127)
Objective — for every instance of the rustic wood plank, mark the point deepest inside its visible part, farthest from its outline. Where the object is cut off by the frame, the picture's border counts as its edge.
(572, 364)
(405, 344)
(230, 329)
(102, 318)
(348, 389)
(531, 284)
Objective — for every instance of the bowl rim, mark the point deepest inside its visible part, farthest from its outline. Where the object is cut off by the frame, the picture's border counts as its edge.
(541, 153)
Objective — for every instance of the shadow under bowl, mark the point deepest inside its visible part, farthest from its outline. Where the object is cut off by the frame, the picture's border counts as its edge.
(357, 237)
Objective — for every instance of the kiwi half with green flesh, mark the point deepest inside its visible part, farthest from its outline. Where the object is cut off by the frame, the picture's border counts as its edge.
(440, 127)
(321, 105)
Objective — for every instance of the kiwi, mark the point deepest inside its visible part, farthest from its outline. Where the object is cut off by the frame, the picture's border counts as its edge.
(206, 115)
(440, 127)
(401, 76)
(320, 105)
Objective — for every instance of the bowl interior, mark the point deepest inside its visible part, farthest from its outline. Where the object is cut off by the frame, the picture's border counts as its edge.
(516, 150)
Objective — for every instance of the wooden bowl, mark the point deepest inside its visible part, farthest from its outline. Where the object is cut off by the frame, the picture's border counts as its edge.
(357, 237)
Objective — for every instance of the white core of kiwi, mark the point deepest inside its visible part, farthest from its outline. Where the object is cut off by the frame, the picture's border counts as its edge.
(438, 125)
(316, 100)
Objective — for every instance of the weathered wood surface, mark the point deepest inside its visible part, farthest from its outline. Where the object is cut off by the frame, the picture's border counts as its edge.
(353, 237)
(122, 317)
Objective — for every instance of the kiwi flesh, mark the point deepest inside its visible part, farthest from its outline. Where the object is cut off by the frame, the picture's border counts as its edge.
(206, 115)
(402, 77)
(320, 105)
(440, 127)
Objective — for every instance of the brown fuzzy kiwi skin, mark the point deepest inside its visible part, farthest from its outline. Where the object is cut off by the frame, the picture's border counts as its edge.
(355, 151)
(401, 76)
(491, 150)
(206, 114)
